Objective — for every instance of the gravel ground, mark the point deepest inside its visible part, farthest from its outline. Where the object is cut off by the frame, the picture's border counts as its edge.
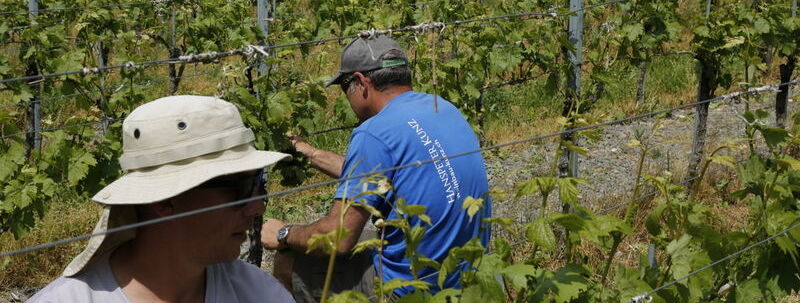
(609, 167)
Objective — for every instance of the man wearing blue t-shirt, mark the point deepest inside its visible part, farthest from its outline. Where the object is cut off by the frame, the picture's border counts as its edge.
(398, 127)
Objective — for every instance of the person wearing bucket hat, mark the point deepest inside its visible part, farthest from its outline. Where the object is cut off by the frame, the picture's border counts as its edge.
(398, 127)
(180, 153)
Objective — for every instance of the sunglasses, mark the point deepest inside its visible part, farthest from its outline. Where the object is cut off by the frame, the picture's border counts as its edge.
(243, 187)
(345, 84)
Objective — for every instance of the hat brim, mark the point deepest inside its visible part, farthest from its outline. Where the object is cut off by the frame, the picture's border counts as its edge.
(112, 217)
(336, 79)
(158, 184)
(162, 182)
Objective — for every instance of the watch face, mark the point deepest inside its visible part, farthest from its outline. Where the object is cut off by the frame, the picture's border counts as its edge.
(282, 233)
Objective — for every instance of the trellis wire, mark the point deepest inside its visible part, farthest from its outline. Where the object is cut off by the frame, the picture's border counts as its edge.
(61, 9)
(217, 55)
(654, 192)
(377, 172)
(108, 120)
(617, 206)
(77, 42)
(646, 115)
(88, 70)
(646, 296)
(755, 90)
(16, 28)
(117, 88)
(605, 211)
(155, 2)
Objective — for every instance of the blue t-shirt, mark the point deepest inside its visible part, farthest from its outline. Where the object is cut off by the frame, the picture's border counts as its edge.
(408, 130)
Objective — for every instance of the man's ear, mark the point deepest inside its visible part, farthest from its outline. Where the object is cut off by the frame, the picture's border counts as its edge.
(363, 79)
(365, 83)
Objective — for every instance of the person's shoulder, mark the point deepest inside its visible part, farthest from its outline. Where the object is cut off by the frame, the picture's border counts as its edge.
(253, 281)
(63, 289)
(239, 268)
(428, 100)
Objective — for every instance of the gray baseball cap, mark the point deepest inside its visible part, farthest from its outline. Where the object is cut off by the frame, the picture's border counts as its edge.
(364, 54)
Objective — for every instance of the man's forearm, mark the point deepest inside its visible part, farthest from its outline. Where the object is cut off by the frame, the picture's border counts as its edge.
(329, 163)
(300, 234)
(354, 222)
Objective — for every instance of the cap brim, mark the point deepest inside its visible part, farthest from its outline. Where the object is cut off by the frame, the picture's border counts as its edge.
(163, 182)
(336, 79)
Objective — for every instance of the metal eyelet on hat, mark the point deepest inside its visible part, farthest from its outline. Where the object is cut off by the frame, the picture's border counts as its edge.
(181, 125)
(136, 133)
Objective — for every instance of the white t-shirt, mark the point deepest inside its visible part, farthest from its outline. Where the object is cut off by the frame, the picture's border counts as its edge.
(235, 281)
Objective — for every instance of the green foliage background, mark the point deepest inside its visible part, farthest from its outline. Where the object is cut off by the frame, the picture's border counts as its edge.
(462, 64)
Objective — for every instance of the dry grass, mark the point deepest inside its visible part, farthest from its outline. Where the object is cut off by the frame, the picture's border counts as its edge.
(66, 219)
(302, 207)
(514, 129)
(794, 297)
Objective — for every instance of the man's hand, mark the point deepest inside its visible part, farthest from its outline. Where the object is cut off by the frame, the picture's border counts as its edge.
(269, 234)
(301, 145)
(327, 162)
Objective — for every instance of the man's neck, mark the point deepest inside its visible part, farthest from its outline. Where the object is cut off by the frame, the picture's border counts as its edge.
(156, 272)
(382, 98)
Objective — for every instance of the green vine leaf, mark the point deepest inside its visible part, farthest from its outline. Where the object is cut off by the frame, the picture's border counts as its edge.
(539, 232)
(472, 206)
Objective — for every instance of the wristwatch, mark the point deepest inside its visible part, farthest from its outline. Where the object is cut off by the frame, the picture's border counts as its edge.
(283, 234)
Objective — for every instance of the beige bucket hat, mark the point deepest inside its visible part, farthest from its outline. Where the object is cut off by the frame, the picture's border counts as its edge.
(171, 145)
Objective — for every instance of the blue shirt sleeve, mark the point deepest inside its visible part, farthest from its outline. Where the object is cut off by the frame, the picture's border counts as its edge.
(365, 154)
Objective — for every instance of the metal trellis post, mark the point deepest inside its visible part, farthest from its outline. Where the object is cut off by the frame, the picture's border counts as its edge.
(174, 52)
(651, 255)
(708, 8)
(794, 15)
(256, 251)
(263, 23)
(34, 139)
(641, 92)
(568, 163)
(101, 63)
(575, 31)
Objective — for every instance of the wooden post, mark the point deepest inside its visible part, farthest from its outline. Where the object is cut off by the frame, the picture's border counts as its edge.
(709, 67)
(34, 136)
(782, 98)
(174, 53)
(479, 113)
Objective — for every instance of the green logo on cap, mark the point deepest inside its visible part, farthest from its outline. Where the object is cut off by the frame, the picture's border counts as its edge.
(393, 63)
